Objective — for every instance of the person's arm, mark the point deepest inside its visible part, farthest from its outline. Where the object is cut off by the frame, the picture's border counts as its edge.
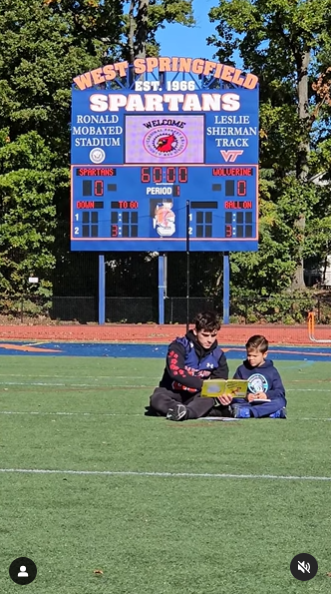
(277, 389)
(175, 364)
(222, 372)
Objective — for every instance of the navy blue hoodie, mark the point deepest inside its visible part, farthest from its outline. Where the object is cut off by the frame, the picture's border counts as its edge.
(186, 359)
(264, 378)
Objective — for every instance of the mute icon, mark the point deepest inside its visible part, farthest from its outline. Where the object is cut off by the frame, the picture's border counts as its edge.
(304, 567)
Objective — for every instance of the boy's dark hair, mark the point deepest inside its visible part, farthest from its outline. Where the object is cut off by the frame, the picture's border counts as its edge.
(207, 320)
(258, 342)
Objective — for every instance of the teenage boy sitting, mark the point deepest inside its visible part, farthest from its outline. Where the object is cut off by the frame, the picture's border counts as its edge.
(264, 382)
(189, 361)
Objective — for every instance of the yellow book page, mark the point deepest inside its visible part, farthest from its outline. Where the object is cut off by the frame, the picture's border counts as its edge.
(216, 387)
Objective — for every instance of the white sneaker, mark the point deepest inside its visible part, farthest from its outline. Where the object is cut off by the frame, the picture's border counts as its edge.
(177, 412)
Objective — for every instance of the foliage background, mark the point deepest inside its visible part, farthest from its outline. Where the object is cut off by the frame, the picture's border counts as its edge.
(44, 44)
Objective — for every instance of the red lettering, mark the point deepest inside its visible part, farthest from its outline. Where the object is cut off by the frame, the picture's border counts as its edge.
(232, 171)
(85, 204)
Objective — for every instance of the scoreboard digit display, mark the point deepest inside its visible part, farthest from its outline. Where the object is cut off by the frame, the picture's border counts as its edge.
(156, 140)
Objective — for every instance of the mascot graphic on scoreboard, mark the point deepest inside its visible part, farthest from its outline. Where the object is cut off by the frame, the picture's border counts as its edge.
(166, 141)
(166, 144)
(164, 218)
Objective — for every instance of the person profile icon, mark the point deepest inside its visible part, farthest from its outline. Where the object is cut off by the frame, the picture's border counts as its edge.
(23, 572)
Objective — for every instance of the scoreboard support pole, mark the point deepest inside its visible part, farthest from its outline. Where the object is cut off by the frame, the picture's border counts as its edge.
(187, 265)
(226, 288)
(102, 290)
(162, 287)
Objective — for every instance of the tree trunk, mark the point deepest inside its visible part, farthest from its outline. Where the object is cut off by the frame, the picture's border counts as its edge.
(302, 170)
(141, 29)
(131, 31)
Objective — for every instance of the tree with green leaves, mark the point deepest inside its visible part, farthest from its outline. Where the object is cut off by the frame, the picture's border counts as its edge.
(27, 214)
(287, 44)
(44, 45)
(143, 20)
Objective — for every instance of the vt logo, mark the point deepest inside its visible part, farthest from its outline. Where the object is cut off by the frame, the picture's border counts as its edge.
(230, 156)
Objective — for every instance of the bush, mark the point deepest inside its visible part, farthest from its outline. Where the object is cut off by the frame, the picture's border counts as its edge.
(283, 308)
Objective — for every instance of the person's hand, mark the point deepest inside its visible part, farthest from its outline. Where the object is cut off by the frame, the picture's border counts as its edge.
(204, 373)
(258, 396)
(225, 399)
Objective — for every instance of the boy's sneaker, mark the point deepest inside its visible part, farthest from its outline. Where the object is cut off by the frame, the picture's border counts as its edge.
(279, 414)
(177, 412)
(240, 412)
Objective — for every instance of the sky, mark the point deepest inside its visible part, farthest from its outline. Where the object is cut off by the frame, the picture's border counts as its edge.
(177, 40)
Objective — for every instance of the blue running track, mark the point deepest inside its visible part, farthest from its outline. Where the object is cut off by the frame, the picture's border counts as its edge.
(75, 349)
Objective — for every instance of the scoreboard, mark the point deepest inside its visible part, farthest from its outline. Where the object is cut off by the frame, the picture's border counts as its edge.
(144, 207)
(158, 161)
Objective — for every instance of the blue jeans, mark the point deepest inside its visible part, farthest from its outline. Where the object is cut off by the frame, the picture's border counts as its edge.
(262, 410)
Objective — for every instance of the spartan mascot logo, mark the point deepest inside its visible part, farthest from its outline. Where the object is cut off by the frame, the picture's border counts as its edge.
(164, 218)
(165, 142)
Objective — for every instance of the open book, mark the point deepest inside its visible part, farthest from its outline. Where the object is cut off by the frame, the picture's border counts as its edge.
(231, 387)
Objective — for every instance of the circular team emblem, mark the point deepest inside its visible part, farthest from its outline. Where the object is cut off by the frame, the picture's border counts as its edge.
(165, 142)
(257, 383)
(97, 155)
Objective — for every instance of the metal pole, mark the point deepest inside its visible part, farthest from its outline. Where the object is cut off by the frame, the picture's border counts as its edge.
(161, 288)
(226, 288)
(102, 290)
(165, 256)
(187, 265)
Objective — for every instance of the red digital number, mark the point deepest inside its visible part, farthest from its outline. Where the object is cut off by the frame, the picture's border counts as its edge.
(157, 175)
(145, 175)
(133, 204)
(228, 230)
(114, 230)
(171, 175)
(98, 188)
(182, 175)
(241, 187)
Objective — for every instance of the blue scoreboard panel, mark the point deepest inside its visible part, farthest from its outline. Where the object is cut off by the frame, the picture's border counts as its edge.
(152, 169)
(143, 207)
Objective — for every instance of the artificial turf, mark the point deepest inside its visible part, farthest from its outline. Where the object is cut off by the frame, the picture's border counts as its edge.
(159, 534)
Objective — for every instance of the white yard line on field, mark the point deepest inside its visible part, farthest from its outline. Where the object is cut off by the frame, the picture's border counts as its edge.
(108, 414)
(69, 414)
(70, 385)
(74, 377)
(67, 384)
(126, 473)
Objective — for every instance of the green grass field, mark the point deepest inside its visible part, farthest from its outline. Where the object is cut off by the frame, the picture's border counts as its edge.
(154, 534)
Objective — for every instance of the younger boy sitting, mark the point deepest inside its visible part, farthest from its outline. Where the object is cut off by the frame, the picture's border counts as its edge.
(190, 360)
(264, 383)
